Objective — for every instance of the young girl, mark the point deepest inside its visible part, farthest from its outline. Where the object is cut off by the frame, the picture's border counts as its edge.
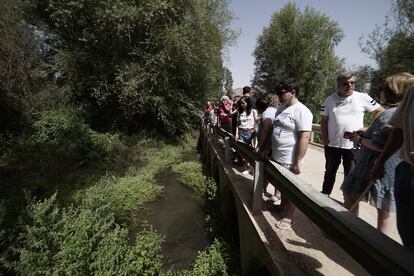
(247, 119)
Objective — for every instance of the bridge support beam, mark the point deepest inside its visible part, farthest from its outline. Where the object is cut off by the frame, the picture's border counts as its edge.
(258, 187)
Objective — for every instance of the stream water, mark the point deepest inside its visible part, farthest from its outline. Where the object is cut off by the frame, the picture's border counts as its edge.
(179, 216)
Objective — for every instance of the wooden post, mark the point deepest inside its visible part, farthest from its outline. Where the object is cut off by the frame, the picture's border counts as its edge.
(227, 149)
(258, 187)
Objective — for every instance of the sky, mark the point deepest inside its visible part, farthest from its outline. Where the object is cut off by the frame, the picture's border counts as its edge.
(356, 18)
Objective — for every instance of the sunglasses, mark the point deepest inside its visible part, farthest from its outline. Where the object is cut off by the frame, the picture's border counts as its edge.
(348, 83)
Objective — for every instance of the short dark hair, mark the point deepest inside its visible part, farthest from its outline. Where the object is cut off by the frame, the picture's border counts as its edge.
(246, 89)
(288, 85)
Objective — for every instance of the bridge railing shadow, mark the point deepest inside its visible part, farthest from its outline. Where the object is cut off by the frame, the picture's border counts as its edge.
(376, 252)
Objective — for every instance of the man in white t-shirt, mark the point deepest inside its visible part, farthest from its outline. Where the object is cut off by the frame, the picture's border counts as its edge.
(342, 112)
(290, 138)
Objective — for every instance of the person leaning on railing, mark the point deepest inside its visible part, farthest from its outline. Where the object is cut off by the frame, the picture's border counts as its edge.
(267, 107)
(290, 138)
(401, 136)
(372, 142)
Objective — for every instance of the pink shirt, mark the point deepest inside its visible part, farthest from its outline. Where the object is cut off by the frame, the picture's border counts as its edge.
(225, 110)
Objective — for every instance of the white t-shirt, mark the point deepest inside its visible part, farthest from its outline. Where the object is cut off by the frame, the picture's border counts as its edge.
(248, 121)
(288, 123)
(269, 113)
(346, 114)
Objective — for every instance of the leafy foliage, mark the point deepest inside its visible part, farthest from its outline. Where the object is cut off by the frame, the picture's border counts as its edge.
(212, 261)
(62, 136)
(81, 241)
(299, 45)
(138, 64)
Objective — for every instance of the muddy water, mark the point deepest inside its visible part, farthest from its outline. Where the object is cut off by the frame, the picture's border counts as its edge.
(178, 215)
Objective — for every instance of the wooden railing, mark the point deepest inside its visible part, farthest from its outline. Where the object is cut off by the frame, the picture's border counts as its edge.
(376, 252)
(315, 129)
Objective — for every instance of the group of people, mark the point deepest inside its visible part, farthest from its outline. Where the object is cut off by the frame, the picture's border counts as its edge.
(375, 168)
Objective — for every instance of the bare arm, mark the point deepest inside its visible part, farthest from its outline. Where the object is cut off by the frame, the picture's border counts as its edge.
(378, 111)
(265, 136)
(394, 142)
(324, 130)
(301, 148)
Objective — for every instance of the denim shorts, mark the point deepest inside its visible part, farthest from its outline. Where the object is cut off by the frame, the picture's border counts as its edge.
(245, 135)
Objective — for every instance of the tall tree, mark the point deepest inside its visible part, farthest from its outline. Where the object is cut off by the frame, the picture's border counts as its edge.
(300, 45)
(18, 64)
(228, 81)
(392, 45)
(137, 64)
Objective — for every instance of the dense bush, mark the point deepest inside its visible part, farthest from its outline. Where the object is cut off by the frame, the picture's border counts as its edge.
(61, 136)
(81, 241)
(137, 64)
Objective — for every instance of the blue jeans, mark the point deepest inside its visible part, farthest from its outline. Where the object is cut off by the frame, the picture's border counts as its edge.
(404, 199)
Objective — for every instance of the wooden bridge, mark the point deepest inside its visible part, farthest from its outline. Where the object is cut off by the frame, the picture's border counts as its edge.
(326, 239)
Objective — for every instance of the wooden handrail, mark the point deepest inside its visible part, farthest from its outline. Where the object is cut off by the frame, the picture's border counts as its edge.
(376, 252)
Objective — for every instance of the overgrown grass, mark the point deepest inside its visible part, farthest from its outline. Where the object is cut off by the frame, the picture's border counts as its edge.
(78, 231)
(126, 194)
(190, 174)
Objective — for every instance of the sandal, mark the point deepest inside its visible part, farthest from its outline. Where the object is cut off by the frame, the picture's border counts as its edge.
(284, 224)
(276, 200)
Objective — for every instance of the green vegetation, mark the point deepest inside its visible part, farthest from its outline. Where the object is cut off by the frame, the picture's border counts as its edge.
(213, 261)
(81, 240)
(83, 228)
(221, 257)
(392, 45)
(190, 174)
(136, 64)
(83, 85)
(94, 96)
